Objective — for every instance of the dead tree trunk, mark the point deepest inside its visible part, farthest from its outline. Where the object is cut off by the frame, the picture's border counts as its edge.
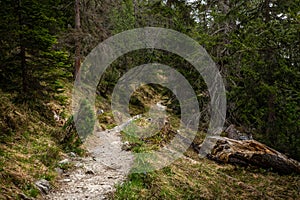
(251, 152)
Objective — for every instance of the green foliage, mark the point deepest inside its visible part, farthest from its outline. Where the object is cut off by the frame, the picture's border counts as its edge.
(70, 140)
(265, 74)
(30, 57)
(50, 156)
(31, 190)
(123, 17)
(129, 189)
(255, 44)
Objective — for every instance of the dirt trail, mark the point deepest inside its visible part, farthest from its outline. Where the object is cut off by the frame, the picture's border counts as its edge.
(95, 176)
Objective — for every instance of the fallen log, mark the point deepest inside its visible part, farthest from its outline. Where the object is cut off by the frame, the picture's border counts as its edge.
(249, 152)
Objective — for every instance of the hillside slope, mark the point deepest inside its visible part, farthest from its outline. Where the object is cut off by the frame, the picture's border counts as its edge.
(31, 148)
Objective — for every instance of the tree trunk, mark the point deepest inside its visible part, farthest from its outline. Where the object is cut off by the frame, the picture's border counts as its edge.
(22, 51)
(250, 152)
(24, 68)
(77, 39)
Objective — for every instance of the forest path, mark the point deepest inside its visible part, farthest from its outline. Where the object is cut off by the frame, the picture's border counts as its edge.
(95, 176)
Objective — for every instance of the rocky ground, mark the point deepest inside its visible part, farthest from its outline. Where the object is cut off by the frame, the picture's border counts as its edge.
(95, 176)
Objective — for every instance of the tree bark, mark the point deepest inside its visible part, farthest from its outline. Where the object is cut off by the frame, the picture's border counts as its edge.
(77, 39)
(251, 152)
(22, 51)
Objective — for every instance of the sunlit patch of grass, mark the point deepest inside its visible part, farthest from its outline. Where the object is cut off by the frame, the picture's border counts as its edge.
(208, 180)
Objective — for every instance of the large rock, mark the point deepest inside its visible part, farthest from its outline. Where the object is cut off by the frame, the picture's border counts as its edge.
(43, 185)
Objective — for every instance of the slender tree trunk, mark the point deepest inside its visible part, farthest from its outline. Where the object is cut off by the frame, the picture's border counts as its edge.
(271, 118)
(77, 39)
(22, 51)
(24, 68)
(272, 97)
